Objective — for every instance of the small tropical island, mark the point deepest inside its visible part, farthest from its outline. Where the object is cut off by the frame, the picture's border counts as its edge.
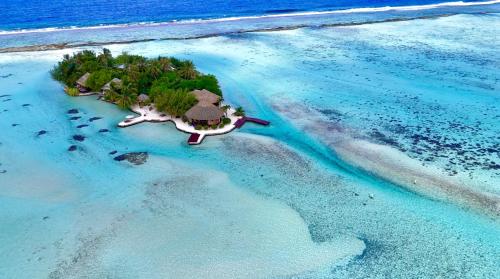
(157, 89)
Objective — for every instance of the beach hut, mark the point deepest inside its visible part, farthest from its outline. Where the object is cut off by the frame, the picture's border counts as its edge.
(205, 96)
(81, 83)
(106, 87)
(204, 113)
(142, 99)
(116, 82)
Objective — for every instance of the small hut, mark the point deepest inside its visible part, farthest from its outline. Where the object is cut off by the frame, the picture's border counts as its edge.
(204, 113)
(205, 96)
(142, 99)
(81, 83)
(116, 82)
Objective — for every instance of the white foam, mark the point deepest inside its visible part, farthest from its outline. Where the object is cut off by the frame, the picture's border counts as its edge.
(238, 18)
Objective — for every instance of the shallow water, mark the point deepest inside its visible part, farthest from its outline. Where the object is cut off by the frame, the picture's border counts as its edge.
(263, 202)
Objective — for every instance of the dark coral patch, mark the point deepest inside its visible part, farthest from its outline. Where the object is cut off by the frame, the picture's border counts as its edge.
(136, 158)
(79, 137)
(41, 132)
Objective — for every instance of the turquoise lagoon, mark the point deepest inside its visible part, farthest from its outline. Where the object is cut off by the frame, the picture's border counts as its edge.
(368, 123)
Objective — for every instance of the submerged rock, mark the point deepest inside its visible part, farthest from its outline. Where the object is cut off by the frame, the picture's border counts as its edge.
(72, 148)
(136, 158)
(41, 132)
(92, 119)
(103, 130)
(73, 111)
(79, 137)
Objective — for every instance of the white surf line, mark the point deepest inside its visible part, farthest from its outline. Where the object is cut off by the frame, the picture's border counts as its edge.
(297, 14)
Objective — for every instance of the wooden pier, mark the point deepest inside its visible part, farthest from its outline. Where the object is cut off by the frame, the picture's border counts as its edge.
(195, 138)
(240, 122)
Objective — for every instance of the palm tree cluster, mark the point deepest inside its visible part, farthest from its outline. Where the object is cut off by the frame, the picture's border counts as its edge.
(166, 80)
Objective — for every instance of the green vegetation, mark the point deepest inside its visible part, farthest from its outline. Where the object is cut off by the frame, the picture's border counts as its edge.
(173, 101)
(239, 111)
(166, 80)
(72, 91)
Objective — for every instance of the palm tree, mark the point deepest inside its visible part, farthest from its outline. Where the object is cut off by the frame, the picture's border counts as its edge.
(239, 111)
(188, 70)
(225, 108)
(105, 58)
(165, 64)
(155, 70)
(112, 93)
(128, 96)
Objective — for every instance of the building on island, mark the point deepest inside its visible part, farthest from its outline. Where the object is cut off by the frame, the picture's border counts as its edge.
(143, 99)
(116, 82)
(207, 110)
(204, 113)
(205, 96)
(81, 83)
(106, 87)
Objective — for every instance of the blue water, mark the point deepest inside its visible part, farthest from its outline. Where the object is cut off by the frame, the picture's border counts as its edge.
(32, 14)
(380, 162)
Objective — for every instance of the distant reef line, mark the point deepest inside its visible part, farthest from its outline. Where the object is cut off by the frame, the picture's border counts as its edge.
(59, 46)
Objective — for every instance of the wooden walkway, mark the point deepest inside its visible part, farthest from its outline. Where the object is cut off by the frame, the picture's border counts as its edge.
(195, 138)
(240, 122)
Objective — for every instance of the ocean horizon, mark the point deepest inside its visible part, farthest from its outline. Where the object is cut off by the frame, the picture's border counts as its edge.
(369, 148)
(34, 14)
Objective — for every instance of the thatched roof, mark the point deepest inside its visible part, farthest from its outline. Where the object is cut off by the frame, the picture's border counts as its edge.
(204, 111)
(205, 96)
(142, 98)
(82, 81)
(116, 81)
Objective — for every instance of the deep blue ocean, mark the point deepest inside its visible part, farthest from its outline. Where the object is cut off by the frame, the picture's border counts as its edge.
(32, 14)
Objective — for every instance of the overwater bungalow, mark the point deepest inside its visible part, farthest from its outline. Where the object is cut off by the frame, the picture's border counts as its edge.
(204, 113)
(81, 83)
(205, 96)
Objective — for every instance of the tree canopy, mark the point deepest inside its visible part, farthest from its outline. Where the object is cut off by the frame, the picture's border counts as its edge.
(167, 80)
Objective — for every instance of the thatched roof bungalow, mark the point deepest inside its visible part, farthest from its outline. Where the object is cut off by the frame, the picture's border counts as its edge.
(116, 81)
(142, 99)
(81, 83)
(204, 113)
(205, 96)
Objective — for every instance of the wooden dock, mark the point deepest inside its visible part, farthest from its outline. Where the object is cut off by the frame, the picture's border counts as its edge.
(240, 122)
(195, 138)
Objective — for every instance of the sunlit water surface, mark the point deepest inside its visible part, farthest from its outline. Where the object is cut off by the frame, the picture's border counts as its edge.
(264, 202)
